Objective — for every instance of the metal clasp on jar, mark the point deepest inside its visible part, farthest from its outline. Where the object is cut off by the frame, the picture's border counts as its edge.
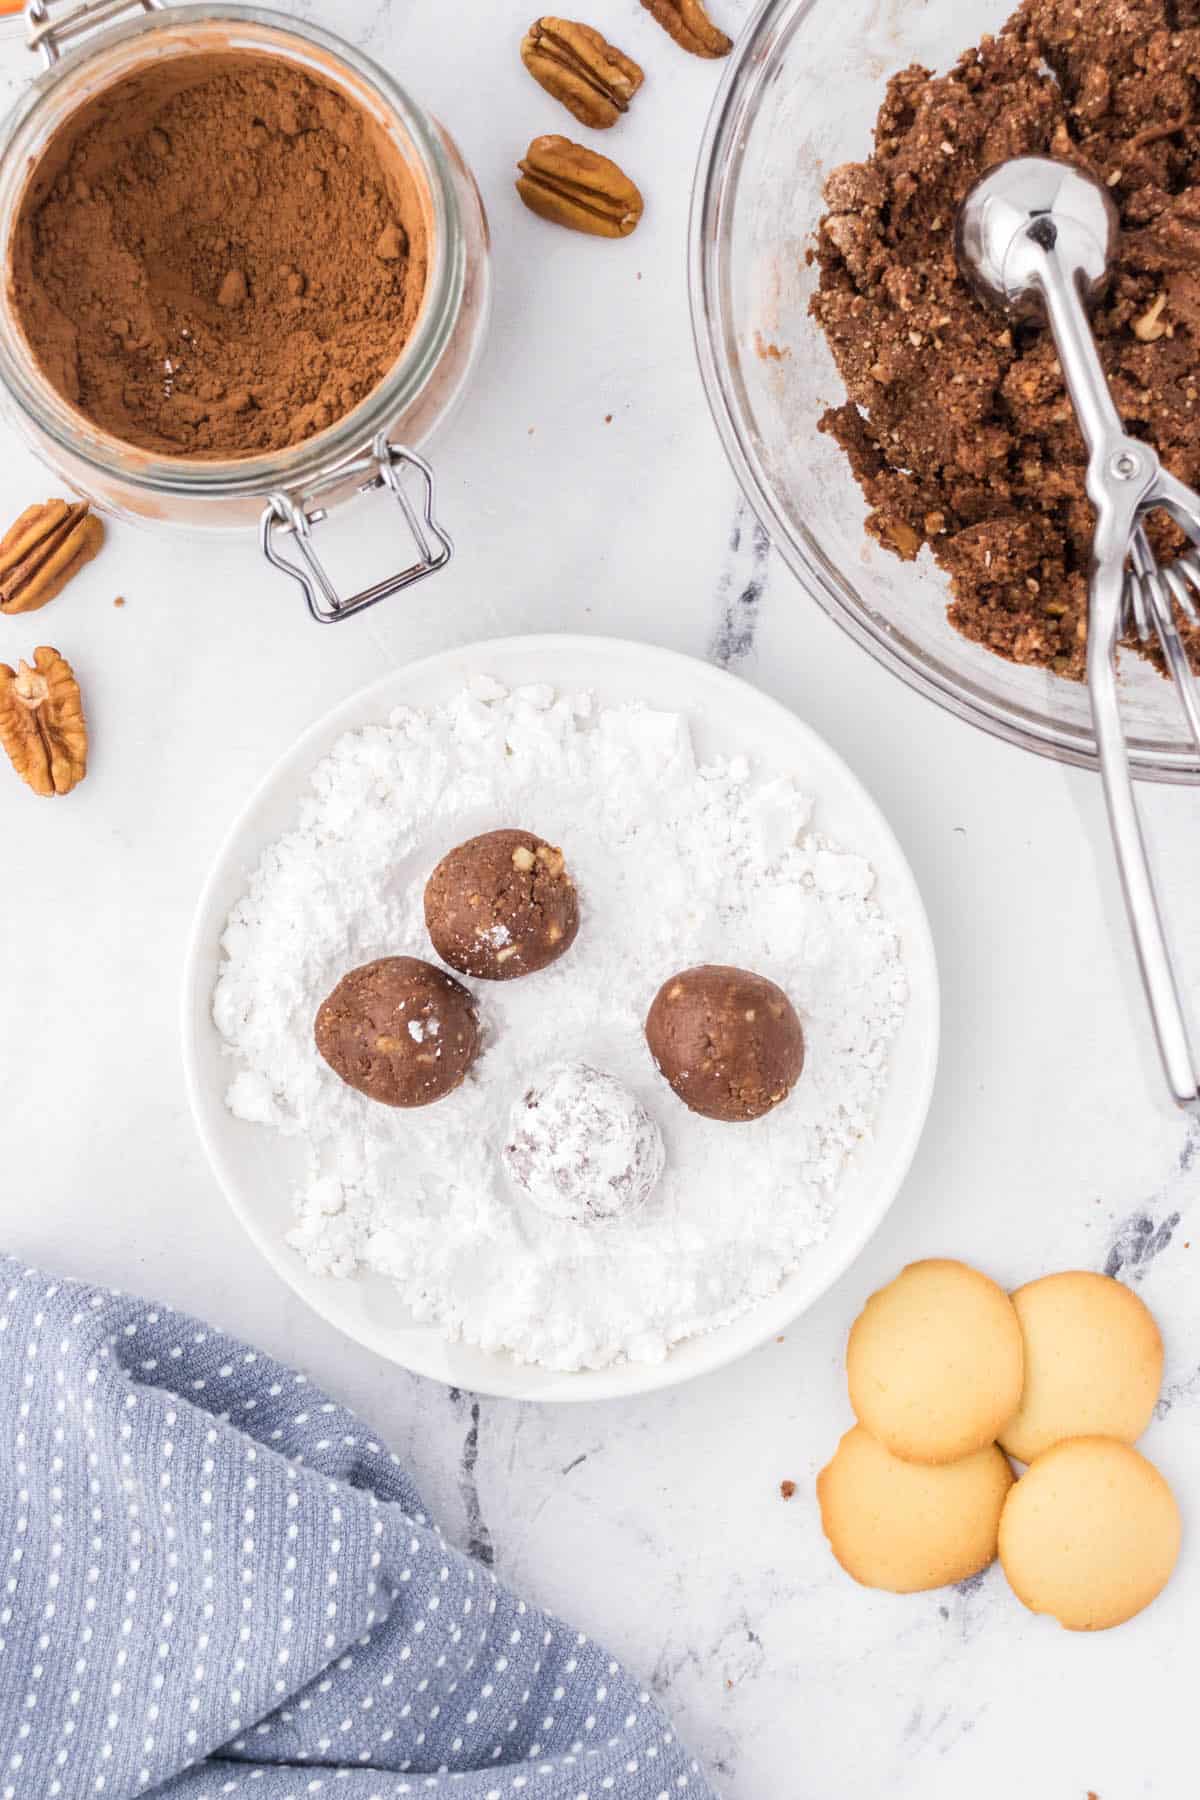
(50, 29)
(284, 514)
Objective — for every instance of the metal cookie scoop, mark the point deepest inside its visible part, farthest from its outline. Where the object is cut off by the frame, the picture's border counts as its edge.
(1036, 238)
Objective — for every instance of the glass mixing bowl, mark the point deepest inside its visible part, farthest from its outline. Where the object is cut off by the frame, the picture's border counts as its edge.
(800, 96)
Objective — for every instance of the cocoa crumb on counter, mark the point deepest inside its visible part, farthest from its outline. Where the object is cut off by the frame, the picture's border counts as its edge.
(787, 1489)
(958, 426)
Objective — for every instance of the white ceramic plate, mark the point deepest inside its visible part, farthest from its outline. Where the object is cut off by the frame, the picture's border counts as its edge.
(258, 1169)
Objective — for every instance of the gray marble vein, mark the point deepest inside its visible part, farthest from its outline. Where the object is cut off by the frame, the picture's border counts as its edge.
(478, 1535)
(1145, 1233)
(740, 589)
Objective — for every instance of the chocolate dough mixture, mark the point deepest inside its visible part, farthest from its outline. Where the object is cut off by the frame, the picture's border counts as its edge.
(958, 428)
(219, 256)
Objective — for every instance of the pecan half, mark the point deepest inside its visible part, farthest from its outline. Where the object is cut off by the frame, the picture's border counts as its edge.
(571, 186)
(41, 722)
(39, 554)
(690, 26)
(579, 67)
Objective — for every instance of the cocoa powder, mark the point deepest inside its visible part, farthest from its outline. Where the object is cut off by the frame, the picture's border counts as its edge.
(219, 257)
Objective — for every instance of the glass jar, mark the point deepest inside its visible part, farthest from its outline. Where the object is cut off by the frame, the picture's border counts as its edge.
(284, 494)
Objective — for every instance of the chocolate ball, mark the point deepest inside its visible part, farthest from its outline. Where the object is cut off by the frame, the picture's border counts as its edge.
(582, 1146)
(501, 905)
(729, 1042)
(399, 1030)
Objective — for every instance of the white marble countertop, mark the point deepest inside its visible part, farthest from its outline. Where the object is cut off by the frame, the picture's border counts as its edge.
(656, 1524)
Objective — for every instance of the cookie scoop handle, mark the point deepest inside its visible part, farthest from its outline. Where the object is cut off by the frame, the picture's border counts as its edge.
(1036, 237)
(1123, 474)
(1137, 880)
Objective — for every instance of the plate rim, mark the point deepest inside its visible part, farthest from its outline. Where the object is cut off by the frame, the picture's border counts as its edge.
(707, 1351)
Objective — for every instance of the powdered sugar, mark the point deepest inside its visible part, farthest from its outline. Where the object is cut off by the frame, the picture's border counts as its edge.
(675, 865)
(582, 1146)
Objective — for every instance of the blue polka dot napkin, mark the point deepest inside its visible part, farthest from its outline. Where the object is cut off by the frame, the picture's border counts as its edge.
(217, 1582)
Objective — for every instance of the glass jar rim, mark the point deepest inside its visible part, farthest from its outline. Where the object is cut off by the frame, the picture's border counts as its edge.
(300, 465)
